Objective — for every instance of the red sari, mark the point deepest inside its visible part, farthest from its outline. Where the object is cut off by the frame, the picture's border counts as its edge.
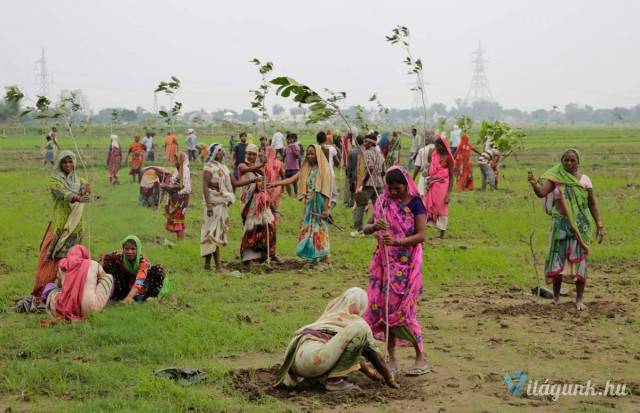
(463, 168)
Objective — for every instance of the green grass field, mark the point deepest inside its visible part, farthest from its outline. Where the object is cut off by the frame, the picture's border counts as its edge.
(218, 323)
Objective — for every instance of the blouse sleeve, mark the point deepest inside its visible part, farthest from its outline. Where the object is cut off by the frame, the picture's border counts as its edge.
(585, 181)
(417, 207)
(59, 192)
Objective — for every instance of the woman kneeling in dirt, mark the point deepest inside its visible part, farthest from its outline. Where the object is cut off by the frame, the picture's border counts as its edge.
(327, 350)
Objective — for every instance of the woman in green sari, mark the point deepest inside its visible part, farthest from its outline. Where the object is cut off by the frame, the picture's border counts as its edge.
(65, 229)
(334, 346)
(574, 204)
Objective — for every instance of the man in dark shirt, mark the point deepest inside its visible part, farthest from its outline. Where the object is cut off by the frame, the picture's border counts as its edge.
(239, 153)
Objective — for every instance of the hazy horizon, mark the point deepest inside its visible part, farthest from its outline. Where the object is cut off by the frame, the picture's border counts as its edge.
(539, 54)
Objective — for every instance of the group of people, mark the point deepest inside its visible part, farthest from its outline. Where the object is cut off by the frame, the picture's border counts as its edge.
(67, 282)
(342, 340)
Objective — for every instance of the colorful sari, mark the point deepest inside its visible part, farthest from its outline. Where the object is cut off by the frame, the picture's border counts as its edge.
(178, 199)
(315, 188)
(65, 229)
(463, 167)
(273, 170)
(137, 151)
(571, 227)
(171, 148)
(332, 346)
(114, 157)
(403, 275)
(150, 182)
(213, 233)
(259, 236)
(434, 200)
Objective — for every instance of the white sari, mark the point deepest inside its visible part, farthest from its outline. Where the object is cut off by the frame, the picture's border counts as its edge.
(213, 233)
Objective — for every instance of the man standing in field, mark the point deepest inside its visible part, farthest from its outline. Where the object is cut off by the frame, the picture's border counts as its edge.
(148, 145)
(372, 182)
(277, 141)
(192, 148)
(239, 152)
(416, 144)
(292, 158)
(455, 139)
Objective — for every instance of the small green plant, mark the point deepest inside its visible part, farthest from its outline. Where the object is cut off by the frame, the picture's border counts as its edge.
(260, 94)
(503, 137)
(400, 35)
(171, 89)
(464, 123)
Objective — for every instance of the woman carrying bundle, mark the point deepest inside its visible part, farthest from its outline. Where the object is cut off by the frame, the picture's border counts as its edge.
(395, 273)
(152, 178)
(84, 287)
(65, 230)
(259, 237)
(334, 346)
(134, 278)
(574, 204)
(315, 189)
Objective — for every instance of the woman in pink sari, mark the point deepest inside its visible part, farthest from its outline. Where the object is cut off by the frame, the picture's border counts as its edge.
(274, 171)
(86, 287)
(440, 184)
(398, 223)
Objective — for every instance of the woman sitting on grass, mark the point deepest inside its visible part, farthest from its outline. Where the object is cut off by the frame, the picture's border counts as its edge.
(571, 226)
(85, 287)
(135, 279)
(399, 222)
(331, 348)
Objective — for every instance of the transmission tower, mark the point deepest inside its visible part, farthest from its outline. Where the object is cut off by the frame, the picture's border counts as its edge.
(42, 76)
(479, 88)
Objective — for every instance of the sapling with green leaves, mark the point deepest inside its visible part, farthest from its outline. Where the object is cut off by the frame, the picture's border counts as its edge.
(171, 89)
(320, 108)
(260, 94)
(504, 137)
(400, 35)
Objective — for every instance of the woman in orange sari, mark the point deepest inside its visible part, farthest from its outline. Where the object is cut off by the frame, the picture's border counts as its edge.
(462, 168)
(171, 147)
(137, 151)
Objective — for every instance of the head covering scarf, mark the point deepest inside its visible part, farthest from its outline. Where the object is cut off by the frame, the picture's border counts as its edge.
(75, 267)
(323, 178)
(412, 188)
(442, 138)
(132, 267)
(575, 199)
(70, 182)
(214, 148)
(251, 148)
(114, 141)
(346, 308)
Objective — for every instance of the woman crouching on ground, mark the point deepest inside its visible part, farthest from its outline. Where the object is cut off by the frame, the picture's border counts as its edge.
(571, 226)
(327, 350)
(135, 279)
(85, 287)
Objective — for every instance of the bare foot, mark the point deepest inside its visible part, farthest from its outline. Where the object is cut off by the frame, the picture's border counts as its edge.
(392, 364)
(340, 386)
(556, 300)
(580, 306)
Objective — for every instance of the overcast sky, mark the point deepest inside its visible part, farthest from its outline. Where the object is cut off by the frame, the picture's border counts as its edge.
(540, 53)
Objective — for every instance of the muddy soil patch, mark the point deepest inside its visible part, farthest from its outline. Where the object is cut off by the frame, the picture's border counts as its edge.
(283, 265)
(256, 384)
(562, 311)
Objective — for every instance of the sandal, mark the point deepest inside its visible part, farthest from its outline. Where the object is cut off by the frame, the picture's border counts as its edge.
(417, 371)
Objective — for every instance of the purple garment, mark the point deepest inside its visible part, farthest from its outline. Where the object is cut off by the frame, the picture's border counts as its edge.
(290, 161)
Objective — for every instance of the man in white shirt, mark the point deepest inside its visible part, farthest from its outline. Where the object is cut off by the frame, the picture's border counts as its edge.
(422, 165)
(148, 144)
(191, 144)
(277, 142)
(416, 144)
(455, 139)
